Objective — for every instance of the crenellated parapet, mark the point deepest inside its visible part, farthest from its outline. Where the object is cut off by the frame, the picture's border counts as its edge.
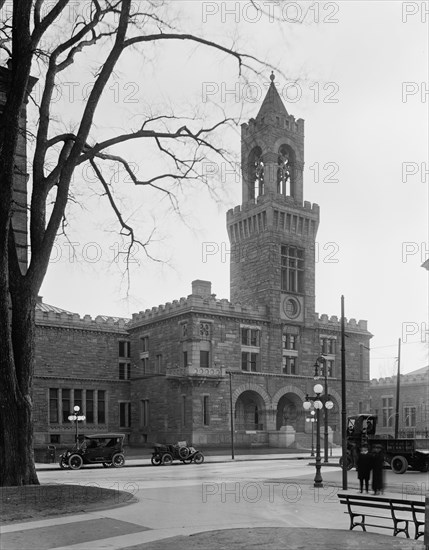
(209, 305)
(46, 315)
(333, 322)
(405, 379)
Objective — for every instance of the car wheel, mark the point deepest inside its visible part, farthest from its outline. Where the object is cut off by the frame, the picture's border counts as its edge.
(183, 453)
(156, 460)
(118, 460)
(399, 464)
(199, 458)
(75, 462)
(167, 459)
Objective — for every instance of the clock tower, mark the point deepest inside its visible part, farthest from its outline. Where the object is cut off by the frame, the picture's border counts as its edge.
(273, 232)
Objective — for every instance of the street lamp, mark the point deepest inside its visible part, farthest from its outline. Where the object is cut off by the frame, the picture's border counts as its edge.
(76, 417)
(317, 365)
(312, 420)
(318, 402)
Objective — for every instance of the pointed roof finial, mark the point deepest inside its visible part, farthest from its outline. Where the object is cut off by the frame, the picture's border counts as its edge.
(272, 76)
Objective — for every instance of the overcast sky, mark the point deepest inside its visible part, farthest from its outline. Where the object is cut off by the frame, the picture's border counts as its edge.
(355, 72)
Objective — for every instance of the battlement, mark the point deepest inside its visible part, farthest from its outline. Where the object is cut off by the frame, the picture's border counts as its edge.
(312, 208)
(209, 304)
(53, 316)
(405, 379)
(334, 322)
(282, 121)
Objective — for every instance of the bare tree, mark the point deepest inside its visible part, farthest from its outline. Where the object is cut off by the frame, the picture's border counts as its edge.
(35, 44)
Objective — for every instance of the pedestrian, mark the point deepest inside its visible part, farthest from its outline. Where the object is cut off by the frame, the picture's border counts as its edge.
(377, 470)
(364, 463)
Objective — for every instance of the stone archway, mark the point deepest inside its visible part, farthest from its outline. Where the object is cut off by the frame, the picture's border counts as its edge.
(289, 412)
(250, 412)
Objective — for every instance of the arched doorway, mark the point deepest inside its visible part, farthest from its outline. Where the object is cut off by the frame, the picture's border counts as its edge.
(249, 411)
(290, 412)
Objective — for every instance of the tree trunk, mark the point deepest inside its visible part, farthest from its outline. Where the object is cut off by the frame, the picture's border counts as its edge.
(16, 373)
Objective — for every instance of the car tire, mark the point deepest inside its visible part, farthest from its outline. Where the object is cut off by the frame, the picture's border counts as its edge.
(167, 459)
(399, 464)
(183, 453)
(118, 460)
(156, 460)
(75, 462)
(199, 458)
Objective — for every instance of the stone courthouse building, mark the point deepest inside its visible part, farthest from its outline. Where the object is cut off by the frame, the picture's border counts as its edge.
(171, 372)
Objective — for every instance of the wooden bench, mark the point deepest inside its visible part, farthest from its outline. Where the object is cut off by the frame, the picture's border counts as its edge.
(399, 511)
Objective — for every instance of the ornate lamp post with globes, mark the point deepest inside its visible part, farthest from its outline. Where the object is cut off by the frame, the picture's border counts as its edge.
(76, 417)
(322, 360)
(318, 401)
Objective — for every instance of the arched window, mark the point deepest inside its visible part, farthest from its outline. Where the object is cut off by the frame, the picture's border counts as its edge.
(256, 173)
(285, 171)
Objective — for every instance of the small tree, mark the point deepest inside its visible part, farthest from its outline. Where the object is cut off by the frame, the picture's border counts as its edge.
(35, 45)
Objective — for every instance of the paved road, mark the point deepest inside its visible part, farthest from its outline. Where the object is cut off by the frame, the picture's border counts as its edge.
(179, 500)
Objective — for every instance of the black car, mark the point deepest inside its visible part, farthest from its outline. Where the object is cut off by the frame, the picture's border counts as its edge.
(106, 449)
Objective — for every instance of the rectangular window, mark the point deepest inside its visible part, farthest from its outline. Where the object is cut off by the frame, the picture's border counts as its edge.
(387, 403)
(145, 365)
(328, 346)
(289, 341)
(158, 363)
(77, 397)
(124, 370)
(125, 415)
(89, 412)
(183, 410)
(124, 348)
(292, 268)
(249, 361)
(185, 358)
(204, 359)
(144, 413)
(144, 343)
(53, 406)
(410, 417)
(101, 407)
(65, 398)
(250, 337)
(289, 365)
(206, 412)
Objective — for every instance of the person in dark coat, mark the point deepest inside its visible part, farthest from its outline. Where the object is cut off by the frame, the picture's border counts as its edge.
(377, 470)
(364, 465)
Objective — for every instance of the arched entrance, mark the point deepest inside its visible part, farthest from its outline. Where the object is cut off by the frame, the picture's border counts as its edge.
(290, 412)
(249, 411)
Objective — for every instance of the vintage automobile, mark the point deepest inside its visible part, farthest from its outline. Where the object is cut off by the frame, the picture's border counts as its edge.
(165, 454)
(106, 449)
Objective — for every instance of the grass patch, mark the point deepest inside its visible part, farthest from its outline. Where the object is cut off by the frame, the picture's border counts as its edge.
(43, 501)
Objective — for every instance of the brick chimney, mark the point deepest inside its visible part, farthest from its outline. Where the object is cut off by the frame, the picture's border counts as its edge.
(201, 288)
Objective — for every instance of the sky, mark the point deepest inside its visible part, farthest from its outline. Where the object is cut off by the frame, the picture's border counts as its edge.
(356, 73)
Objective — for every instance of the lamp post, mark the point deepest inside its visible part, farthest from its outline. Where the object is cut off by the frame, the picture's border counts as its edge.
(318, 402)
(317, 365)
(76, 417)
(312, 420)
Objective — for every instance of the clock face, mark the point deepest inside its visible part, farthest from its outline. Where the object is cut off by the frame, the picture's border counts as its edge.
(291, 307)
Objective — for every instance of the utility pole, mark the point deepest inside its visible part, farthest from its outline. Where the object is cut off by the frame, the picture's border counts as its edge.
(398, 376)
(343, 397)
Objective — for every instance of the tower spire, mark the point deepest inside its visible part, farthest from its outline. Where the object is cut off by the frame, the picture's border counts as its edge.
(272, 103)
